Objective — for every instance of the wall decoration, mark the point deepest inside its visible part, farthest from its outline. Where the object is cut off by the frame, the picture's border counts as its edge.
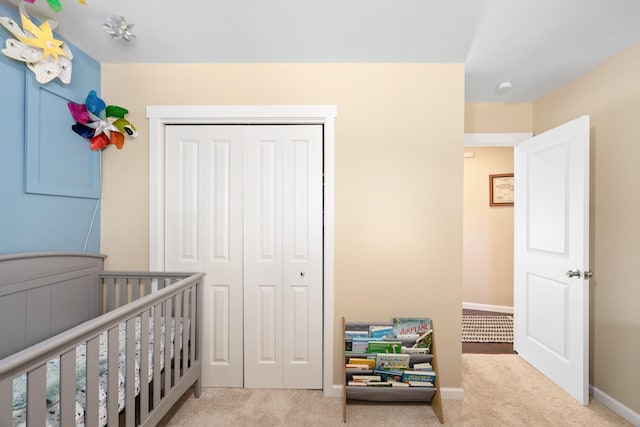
(55, 4)
(46, 56)
(118, 28)
(501, 189)
(101, 124)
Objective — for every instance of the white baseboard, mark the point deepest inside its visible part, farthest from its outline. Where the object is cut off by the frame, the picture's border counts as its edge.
(617, 407)
(451, 393)
(487, 307)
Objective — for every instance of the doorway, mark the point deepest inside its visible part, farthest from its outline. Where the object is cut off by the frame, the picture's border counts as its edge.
(487, 243)
(161, 116)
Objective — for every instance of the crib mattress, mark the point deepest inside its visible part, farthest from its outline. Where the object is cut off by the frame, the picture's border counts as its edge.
(53, 376)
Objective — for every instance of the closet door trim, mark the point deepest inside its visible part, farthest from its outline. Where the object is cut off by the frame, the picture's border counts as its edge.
(162, 115)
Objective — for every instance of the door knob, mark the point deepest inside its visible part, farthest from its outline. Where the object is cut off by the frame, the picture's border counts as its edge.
(587, 274)
(573, 273)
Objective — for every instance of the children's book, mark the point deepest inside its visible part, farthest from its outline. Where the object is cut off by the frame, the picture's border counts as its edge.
(355, 334)
(381, 332)
(424, 376)
(422, 367)
(389, 375)
(370, 363)
(411, 326)
(384, 347)
(392, 362)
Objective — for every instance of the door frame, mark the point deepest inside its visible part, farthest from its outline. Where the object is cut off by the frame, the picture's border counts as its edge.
(162, 115)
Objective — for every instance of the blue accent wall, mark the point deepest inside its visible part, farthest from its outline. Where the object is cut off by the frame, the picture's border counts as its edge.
(49, 178)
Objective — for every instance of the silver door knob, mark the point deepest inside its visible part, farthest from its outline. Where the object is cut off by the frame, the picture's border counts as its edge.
(573, 273)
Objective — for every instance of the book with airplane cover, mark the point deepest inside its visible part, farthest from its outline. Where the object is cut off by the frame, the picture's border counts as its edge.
(392, 362)
(411, 325)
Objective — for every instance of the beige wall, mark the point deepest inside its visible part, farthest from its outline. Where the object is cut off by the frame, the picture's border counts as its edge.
(398, 182)
(498, 117)
(610, 94)
(488, 231)
(487, 275)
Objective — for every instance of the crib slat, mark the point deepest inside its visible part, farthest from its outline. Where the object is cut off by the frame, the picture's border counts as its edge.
(144, 366)
(135, 292)
(6, 391)
(91, 411)
(176, 338)
(123, 291)
(112, 376)
(185, 332)
(168, 313)
(156, 354)
(111, 293)
(147, 287)
(130, 383)
(193, 324)
(37, 396)
(68, 388)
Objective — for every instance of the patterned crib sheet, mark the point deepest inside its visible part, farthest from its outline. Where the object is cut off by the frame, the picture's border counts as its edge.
(53, 376)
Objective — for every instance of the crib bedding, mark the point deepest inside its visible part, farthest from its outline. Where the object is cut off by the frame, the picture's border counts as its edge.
(53, 375)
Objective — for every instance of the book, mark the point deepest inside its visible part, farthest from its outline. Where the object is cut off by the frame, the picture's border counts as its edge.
(398, 384)
(422, 367)
(389, 375)
(355, 334)
(410, 326)
(370, 363)
(384, 347)
(423, 376)
(378, 384)
(366, 378)
(358, 366)
(392, 362)
(357, 383)
(381, 332)
(424, 341)
(419, 384)
(360, 344)
(414, 350)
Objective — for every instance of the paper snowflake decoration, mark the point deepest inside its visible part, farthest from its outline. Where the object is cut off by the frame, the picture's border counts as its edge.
(118, 28)
(46, 56)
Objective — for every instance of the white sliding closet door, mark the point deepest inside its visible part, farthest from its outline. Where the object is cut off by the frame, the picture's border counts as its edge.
(283, 256)
(203, 232)
(244, 205)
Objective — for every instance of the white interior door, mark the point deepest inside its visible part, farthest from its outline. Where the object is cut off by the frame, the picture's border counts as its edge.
(551, 255)
(244, 205)
(283, 256)
(203, 232)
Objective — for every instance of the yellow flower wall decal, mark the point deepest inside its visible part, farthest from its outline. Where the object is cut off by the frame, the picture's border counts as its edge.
(46, 56)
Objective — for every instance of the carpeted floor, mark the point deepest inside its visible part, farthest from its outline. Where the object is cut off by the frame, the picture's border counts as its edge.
(500, 390)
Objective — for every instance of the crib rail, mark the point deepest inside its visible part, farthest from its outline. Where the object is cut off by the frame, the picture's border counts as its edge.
(127, 296)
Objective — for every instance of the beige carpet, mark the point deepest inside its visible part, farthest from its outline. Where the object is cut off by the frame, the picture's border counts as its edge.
(500, 390)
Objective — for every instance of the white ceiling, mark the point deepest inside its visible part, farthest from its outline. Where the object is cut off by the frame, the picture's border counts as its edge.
(538, 45)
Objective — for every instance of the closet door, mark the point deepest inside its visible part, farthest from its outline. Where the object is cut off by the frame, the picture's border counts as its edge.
(203, 232)
(283, 256)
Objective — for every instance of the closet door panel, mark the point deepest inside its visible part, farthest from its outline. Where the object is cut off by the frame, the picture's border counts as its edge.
(204, 187)
(302, 256)
(262, 258)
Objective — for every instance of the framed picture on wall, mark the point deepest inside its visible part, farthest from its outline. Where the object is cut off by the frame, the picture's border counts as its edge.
(501, 189)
